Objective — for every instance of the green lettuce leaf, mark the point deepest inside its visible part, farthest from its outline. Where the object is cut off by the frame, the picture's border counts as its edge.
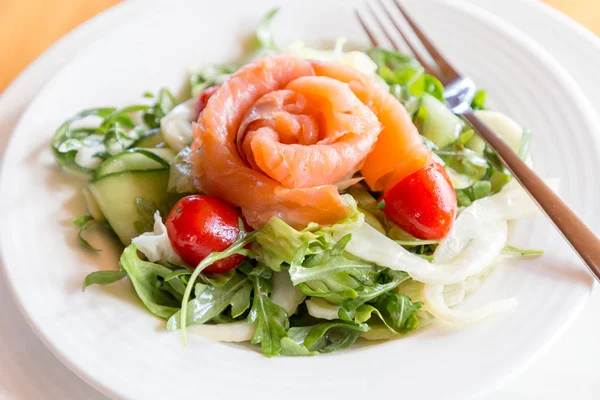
(279, 242)
(147, 279)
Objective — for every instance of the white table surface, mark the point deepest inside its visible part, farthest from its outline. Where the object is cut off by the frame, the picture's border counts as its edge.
(568, 371)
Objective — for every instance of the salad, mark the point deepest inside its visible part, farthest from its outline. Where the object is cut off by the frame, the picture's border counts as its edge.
(301, 201)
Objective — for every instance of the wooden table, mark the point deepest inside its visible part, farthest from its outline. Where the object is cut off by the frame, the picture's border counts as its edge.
(28, 27)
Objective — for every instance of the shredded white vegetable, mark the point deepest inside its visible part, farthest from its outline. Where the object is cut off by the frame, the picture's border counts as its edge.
(369, 244)
(460, 261)
(156, 245)
(176, 126)
(85, 156)
(433, 298)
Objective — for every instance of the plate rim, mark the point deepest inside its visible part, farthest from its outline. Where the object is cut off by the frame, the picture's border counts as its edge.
(476, 11)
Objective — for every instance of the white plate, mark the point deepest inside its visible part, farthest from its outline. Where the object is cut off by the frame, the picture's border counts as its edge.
(114, 344)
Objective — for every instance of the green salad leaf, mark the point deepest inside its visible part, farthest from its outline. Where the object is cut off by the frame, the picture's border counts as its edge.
(102, 278)
(279, 242)
(67, 140)
(478, 190)
(165, 102)
(323, 338)
(407, 78)
(237, 247)
(395, 310)
(479, 99)
(271, 320)
(342, 278)
(111, 131)
(211, 301)
(147, 279)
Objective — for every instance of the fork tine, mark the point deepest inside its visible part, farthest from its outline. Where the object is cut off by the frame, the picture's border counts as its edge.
(389, 37)
(428, 68)
(366, 29)
(448, 70)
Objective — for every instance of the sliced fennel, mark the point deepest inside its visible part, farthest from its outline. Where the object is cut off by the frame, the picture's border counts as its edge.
(156, 245)
(433, 297)
(176, 126)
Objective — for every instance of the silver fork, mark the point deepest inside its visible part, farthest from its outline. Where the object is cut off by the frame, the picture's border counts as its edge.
(458, 94)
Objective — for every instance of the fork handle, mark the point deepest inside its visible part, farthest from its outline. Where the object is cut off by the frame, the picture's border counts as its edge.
(577, 234)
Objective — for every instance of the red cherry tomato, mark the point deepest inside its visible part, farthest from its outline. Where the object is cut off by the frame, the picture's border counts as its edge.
(203, 99)
(199, 225)
(423, 203)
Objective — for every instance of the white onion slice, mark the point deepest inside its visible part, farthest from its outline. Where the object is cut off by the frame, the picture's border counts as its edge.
(156, 245)
(176, 126)
(371, 245)
(433, 299)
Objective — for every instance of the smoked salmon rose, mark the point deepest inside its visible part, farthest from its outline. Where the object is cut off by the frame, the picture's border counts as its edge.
(276, 137)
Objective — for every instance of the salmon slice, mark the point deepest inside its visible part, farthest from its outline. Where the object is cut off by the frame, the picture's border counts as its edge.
(399, 150)
(275, 138)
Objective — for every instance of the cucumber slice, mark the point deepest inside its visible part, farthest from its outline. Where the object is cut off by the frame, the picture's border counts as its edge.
(152, 139)
(116, 196)
(134, 160)
(92, 205)
(442, 127)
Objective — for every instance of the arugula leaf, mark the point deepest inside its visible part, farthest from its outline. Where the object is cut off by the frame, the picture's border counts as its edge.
(465, 197)
(237, 247)
(340, 277)
(293, 349)
(211, 301)
(395, 310)
(114, 131)
(147, 279)
(522, 252)
(271, 320)
(324, 338)
(165, 101)
(102, 278)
